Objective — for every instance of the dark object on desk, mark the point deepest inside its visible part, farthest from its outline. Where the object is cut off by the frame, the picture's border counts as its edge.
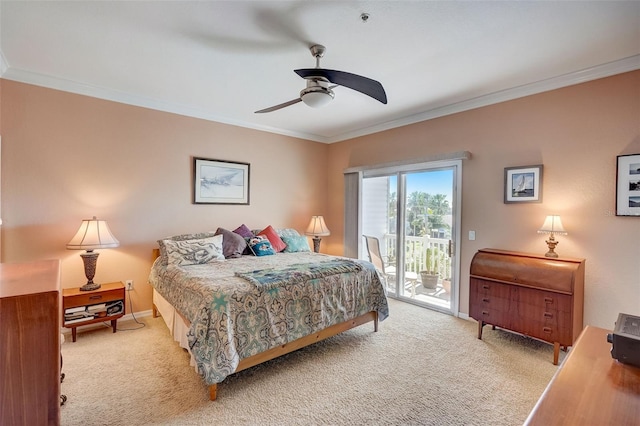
(625, 340)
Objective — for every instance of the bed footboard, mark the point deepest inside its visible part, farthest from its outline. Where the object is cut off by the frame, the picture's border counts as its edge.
(300, 343)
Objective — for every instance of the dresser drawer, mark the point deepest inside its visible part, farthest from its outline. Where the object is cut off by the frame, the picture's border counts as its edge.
(545, 299)
(490, 288)
(543, 331)
(489, 315)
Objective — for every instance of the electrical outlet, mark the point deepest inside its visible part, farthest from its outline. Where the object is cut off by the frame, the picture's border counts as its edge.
(129, 284)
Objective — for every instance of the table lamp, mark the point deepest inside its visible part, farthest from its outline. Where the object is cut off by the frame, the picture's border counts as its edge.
(552, 225)
(317, 228)
(93, 234)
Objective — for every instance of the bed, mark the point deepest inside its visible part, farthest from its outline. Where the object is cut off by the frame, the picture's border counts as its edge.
(237, 312)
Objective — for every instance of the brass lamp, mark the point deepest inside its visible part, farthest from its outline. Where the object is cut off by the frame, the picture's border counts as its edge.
(93, 234)
(317, 228)
(552, 225)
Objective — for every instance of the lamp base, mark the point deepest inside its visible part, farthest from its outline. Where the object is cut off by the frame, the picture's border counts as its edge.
(90, 258)
(90, 287)
(316, 244)
(552, 243)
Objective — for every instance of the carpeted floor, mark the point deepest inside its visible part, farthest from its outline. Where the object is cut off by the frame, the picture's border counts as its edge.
(422, 367)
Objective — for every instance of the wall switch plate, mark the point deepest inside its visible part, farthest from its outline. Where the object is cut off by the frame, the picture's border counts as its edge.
(472, 235)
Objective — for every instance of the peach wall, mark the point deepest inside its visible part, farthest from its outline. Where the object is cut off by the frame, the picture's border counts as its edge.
(67, 157)
(576, 133)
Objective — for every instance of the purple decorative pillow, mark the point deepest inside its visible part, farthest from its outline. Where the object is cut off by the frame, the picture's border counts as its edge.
(244, 231)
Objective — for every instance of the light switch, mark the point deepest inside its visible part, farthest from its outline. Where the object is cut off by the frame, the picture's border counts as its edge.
(472, 235)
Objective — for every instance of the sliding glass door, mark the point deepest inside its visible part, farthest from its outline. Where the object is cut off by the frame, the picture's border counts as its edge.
(412, 213)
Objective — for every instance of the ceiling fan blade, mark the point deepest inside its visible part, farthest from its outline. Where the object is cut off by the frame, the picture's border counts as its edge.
(279, 106)
(356, 82)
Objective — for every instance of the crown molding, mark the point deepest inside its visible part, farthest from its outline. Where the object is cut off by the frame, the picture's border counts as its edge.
(600, 71)
(631, 63)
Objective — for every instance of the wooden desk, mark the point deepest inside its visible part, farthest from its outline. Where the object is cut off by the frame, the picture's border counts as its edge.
(590, 388)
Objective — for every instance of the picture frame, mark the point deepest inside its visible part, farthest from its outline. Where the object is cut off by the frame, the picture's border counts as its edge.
(523, 184)
(220, 181)
(628, 185)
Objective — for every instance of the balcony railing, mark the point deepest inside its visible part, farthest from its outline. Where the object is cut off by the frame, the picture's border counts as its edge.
(415, 253)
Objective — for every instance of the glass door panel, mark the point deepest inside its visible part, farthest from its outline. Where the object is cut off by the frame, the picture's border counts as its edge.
(409, 215)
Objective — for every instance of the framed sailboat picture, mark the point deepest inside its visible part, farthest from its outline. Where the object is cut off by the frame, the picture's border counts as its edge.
(523, 184)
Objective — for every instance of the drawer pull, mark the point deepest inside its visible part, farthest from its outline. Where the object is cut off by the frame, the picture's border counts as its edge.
(484, 299)
(96, 297)
(548, 315)
(548, 300)
(485, 287)
(546, 330)
(485, 313)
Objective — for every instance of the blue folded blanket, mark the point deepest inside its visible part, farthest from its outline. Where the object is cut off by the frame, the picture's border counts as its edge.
(271, 278)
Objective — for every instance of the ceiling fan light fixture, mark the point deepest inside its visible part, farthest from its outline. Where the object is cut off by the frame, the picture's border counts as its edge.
(316, 96)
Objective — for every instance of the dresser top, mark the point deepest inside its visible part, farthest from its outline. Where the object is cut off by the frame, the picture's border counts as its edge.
(531, 255)
(17, 279)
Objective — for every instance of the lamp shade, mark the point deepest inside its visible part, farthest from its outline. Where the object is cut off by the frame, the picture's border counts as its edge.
(317, 227)
(93, 234)
(552, 225)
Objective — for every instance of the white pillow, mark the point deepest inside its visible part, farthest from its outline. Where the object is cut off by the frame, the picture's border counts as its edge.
(194, 252)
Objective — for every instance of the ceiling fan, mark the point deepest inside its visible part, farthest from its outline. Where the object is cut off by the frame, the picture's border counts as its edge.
(320, 81)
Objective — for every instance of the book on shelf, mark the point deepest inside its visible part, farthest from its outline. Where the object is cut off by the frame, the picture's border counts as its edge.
(80, 314)
(97, 308)
(72, 321)
(74, 310)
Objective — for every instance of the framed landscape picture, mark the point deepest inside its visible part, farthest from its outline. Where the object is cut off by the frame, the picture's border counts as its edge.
(220, 182)
(523, 184)
(628, 185)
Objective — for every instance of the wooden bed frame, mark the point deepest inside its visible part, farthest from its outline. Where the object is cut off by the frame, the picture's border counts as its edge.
(287, 347)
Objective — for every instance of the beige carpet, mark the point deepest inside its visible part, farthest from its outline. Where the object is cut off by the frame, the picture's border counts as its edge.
(422, 367)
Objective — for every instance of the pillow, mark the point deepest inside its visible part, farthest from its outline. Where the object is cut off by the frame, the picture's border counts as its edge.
(273, 237)
(246, 233)
(287, 232)
(260, 246)
(296, 244)
(182, 237)
(194, 252)
(233, 245)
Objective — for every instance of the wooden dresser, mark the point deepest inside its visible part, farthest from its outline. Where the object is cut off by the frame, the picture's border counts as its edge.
(30, 343)
(537, 296)
(590, 388)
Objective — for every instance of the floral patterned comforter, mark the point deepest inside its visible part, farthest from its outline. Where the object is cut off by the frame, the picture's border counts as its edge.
(232, 318)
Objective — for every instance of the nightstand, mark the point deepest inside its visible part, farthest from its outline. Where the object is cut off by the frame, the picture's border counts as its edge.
(90, 307)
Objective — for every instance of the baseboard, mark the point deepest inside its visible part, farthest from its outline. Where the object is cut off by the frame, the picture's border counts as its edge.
(127, 317)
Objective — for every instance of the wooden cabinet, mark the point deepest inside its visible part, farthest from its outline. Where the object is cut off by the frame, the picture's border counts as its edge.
(108, 302)
(30, 343)
(538, 296)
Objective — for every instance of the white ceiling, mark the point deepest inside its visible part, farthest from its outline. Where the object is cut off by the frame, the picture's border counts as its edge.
(223, 60)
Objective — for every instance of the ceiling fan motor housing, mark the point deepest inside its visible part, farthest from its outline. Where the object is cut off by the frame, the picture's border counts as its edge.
(317, 93)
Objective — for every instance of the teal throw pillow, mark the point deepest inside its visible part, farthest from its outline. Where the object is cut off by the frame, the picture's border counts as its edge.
(296, 244)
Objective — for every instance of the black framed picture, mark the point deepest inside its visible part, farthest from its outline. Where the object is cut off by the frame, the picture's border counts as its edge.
(220, 182)
(523, 184)
(628, 185)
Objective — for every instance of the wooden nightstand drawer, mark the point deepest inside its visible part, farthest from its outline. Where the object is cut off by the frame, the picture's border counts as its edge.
(72, 299)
